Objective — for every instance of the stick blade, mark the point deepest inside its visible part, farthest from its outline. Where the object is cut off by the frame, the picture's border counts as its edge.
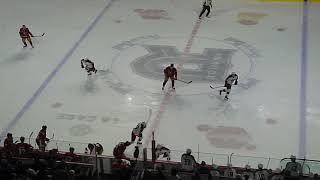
(189, 82)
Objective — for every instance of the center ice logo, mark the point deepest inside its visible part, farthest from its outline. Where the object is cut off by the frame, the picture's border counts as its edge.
(138, 63)
(211, 65)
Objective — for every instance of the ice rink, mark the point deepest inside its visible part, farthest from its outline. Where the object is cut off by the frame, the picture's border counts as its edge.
(130, 42)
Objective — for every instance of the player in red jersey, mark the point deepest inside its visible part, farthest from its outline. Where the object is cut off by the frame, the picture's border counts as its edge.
(42, 139)
(25, 35)
(169, 72)
(118, 151)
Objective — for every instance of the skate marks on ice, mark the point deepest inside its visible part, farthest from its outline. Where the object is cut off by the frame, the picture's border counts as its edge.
(313, 114)
(83, 124)
(89, 86)
(153, 14)
(250, 18)
(20, 56)
(114, 82)
(227, 137)
(57, 105)
(80, 130)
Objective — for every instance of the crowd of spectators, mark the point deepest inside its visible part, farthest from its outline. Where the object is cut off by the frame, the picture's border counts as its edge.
(20, 160)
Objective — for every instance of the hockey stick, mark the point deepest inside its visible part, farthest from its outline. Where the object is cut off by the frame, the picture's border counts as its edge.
(184, 81)
(52, 137)
(30, 136)
(149, 115)
(215, 87)
(40, 35)
(82, 66)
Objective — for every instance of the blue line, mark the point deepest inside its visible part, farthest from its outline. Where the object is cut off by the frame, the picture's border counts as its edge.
(45, 83)
(303, 82)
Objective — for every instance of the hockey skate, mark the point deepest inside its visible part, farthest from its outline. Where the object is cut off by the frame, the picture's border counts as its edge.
(162, 88)
(226, 98)
(220, 92)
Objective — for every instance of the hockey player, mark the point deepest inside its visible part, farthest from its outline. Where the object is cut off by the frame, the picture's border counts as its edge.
(23, 147)
(169, 72)
(25, 35)
(293, 167)
(261, 174)
(232, 78)
(118, 151)
(207, 5)
(42, 139)
(161, 150)
(88, 66)
(137, 131)
(247, 173)
(188, 163)
(230, 172)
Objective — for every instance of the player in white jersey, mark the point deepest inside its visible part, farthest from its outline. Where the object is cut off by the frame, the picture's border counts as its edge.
(230, 171)
(161, 150)
(137, 131)
(230, 80)
(261, 174)
(188, 163)
(88, 66)
(207, 5)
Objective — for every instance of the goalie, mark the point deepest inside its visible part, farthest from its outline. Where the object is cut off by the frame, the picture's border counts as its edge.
(161, 150)
(88, 66)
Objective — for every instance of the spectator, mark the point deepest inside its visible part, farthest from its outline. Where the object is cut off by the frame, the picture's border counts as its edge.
(9, 146)
(215, 171)
(294, 168)
(99, 148)
(261, 174)
(23, 147)
(94, 148)
(247, 173)
(188, 163)
(5, 169)
(71, 156)
(277, 175)
(174, 173)
(118, 151)
(316, 176)
(136, 152)
(8, 142)
(230, 171)
(42, 139)
(162, 150)
(204, 170)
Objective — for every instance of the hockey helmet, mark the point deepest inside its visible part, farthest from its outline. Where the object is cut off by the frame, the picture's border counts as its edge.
(127, 143)
(22, 139)
(233, 73)
(260, 166)
(144, 124)
(188, 151)
(44, 127)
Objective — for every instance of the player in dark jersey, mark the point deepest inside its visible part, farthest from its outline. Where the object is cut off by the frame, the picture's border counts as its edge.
(169, 72)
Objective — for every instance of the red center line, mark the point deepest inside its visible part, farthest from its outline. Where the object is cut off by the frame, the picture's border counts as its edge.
(167, 97)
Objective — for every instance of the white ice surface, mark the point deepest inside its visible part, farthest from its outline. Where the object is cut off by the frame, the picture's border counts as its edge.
(268, 111)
